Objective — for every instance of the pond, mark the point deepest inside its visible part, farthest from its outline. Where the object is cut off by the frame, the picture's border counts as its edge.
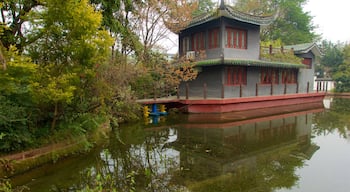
(294, 148)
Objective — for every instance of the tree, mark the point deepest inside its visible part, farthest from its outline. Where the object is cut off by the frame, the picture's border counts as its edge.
(254, 7)
(292, 25)
(204, 6)
(179, 14)
(116, 19)
(342, 75)
(18, 114)
(14, 16)
(53, 90)
(70, 46)
(332, 58)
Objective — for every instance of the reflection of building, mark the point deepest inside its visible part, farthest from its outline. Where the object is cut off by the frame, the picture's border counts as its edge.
(215, 151)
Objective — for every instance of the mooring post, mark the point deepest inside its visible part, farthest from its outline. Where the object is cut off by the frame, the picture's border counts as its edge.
(154, 108)
(307, 87)
(285, 88)
(256, 90)
(187, 88)
(205, 91)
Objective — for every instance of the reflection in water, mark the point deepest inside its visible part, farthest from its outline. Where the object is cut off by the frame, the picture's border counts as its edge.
(254, 156)
(242, 151)
(335, 119)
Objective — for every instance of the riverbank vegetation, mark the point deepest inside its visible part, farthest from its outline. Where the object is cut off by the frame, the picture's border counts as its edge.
(67, 67)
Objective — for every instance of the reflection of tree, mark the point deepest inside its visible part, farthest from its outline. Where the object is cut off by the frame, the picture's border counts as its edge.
(335, 119)
(135, 160)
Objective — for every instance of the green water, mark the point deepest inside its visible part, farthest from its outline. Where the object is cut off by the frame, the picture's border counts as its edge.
(296, 148)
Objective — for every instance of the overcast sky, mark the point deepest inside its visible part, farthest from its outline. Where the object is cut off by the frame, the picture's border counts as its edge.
(332, 18)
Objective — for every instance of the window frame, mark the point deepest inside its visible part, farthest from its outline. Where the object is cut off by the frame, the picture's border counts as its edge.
(236, 75)
(269, 76)
(214, 38)
(185, 47)
(236, 38)
(289, 76)
(198, 41)
(307, 62)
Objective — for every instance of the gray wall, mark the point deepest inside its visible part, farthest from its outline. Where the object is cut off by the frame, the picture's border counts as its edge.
(253, 40)
(214, 77)
(306, 75)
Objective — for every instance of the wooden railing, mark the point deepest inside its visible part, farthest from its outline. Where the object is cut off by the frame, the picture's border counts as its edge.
(202, 92)
(273, 50)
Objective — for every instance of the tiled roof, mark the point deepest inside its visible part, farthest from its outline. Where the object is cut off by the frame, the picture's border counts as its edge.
(305, 48)
(229, 12)
(243, 62)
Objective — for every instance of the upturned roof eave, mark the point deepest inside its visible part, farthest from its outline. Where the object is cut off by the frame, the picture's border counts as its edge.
(231, 13)
(305, 48)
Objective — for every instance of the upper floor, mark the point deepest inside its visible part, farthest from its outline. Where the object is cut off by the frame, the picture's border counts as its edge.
(225, 33)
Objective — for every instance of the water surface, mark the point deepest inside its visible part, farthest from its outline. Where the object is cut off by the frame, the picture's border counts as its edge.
(295, 148)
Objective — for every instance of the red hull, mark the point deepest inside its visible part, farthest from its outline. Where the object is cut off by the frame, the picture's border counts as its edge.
(241, 104)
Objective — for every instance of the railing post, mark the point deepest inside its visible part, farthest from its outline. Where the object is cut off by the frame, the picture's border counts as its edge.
(256, 90)
(187, 88)
(205, 91)
(297, 89)
(285, 88)
(270, 49)
(271, 90)
(223, 91)
(240, 90)
(323, 86)
(308, 87)
(326, 87)
(317, 86)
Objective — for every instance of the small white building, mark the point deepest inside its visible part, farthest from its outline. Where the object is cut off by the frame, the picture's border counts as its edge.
(323, 84)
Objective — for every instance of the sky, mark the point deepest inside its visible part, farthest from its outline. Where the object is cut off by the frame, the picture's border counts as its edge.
(332, 19)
